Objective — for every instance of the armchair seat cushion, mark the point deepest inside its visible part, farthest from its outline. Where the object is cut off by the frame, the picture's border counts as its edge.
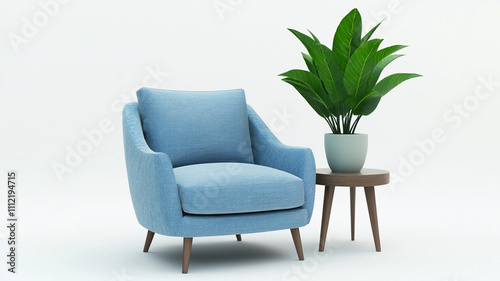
(230, 188)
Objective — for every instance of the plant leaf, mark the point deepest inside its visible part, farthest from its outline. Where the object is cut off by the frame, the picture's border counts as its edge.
(314, 37)
(370, 33)
(309, 96)
(390, 82)
(329, 72)
(377, 70)
(382, 53)
(347, 38)
(306, 40)
(311, 88)
(381, 60)
(359, 68)
(310, 63)
(365, 105)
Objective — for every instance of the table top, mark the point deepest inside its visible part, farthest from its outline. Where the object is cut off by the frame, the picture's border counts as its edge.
(367, 177)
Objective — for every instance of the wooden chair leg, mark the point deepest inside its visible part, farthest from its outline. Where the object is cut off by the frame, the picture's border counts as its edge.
(238, 237)
(327, 208)
(297, 242)
(149, 239)
(372, 210)
(353, 209)
(186, 253)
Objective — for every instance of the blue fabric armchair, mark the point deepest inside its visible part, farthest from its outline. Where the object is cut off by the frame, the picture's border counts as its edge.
(205, 164)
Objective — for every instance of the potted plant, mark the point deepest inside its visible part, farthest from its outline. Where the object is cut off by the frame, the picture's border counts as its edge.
(342, 85)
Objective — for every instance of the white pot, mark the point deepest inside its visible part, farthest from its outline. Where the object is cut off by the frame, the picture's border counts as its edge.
(346, 153)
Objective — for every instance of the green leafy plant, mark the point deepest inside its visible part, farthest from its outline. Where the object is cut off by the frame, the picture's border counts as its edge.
(342, 83)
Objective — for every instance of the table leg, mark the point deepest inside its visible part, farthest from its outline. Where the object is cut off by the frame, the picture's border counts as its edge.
(372, 210)
(327, 208)
(353, 209)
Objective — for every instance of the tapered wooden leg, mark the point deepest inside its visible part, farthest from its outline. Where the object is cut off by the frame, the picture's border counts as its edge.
(149, 239)
(353, 209)
(238, 237)
(327, 208)
(186, 253)
(372, 210)
(297, 242)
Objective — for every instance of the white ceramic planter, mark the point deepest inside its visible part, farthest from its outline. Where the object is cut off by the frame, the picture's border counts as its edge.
(346, 153)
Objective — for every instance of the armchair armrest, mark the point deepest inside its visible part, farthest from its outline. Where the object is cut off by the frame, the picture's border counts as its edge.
(152, 183)
(269, 151)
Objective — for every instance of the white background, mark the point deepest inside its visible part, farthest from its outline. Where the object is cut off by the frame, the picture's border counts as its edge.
(81, 60)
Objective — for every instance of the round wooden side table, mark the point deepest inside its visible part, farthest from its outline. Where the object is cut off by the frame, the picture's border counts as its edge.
(367, 178)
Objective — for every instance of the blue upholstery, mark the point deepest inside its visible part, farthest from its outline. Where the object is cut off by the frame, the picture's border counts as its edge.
(155, 189)
(230, 188)
(193, 127)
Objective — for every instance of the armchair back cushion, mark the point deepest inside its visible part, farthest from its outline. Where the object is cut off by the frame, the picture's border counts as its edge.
(194, 127)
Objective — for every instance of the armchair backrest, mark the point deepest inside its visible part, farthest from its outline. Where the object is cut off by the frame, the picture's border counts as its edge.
(194, 127)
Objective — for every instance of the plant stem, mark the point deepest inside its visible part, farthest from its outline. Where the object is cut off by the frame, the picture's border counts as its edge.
(334, 122)
(347, 123)
(330, 124)
(342, 121)
(338, 124)
(355, 124)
